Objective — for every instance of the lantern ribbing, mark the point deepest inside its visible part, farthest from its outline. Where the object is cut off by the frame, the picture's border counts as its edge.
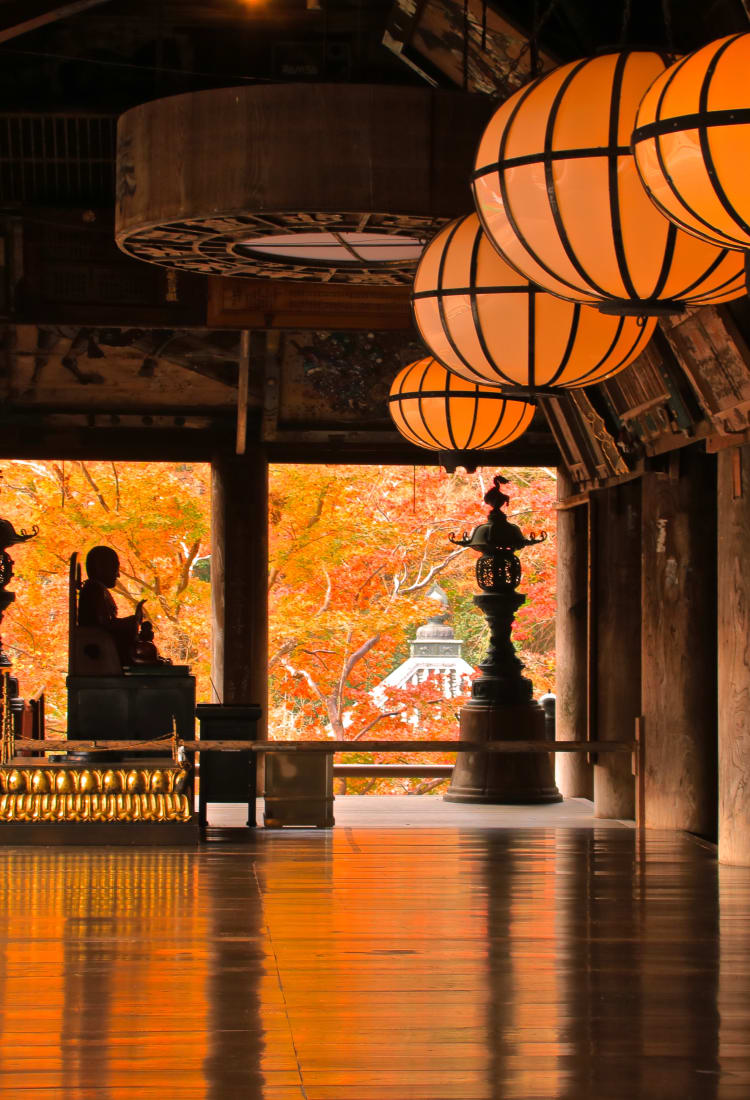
(691, 142)
(487, 323)
(558, 192)
(440, 411)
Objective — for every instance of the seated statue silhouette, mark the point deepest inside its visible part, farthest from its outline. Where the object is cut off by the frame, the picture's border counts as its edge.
(144, 650)
(96, 606)
(119, 688)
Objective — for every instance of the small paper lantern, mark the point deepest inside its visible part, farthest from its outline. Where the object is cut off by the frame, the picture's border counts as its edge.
(438, 410)
(558, 192)
(487, 323)
(692, 142)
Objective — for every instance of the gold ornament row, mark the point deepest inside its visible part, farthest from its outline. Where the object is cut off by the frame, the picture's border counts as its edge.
(93, 780)
(95, 807)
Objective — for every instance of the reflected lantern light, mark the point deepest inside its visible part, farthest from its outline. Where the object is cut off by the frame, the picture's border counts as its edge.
(558, 192)
(692, 142)
(486, 323)
(435, 409)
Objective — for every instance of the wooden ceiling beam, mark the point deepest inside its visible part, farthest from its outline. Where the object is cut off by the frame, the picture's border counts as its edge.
(21, 16)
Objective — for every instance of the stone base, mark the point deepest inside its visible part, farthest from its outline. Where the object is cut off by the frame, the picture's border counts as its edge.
(503, 778)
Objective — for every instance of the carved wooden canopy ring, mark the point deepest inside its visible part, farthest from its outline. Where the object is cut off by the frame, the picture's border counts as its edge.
(340, 183)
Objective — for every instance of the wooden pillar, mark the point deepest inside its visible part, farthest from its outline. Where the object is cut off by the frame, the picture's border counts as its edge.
(575, 775)
(615, 631)
(239, 579)
(733, 522)
(679, 644)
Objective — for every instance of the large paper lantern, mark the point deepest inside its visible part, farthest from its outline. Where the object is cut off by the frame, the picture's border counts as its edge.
(435, 409)
(692, 142)
(558, 192)
(487, 323)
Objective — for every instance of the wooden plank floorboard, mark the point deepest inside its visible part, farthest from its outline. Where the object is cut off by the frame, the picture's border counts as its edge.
(435, 963)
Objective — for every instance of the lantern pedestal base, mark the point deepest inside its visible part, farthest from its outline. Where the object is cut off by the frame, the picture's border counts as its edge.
(503, 778)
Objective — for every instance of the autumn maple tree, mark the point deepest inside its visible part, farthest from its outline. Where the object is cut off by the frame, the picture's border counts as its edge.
(156, 516)
(354, 552)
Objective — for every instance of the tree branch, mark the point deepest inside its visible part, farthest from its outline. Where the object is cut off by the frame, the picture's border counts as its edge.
(357, 656)
(117, 487)
(366, 581)
(424, 788)
(431, 574)
(288, 646)
(184, 578)
(95, 487)
(387, 714)
(327, 598)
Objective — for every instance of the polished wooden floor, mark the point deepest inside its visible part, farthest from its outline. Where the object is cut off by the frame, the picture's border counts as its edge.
(378, 964)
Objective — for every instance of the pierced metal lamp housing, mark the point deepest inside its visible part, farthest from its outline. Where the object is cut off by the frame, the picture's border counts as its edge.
(498, 569)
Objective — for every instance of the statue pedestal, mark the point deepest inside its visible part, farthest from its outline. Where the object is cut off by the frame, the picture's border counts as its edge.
(502, 708)
(503, 778)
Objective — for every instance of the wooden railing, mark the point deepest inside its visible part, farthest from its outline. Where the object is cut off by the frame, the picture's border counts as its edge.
(415, 745)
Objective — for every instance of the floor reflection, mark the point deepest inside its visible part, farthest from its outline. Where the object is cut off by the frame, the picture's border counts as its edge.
(378, 964)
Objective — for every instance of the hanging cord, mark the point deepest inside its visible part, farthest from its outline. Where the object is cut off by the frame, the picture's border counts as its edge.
(666, 11)
(625, 26)
(533, 38)
(534, 42)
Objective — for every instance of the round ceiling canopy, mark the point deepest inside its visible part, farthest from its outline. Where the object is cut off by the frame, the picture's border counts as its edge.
(336, 248)
(295, 181)
(559, 195)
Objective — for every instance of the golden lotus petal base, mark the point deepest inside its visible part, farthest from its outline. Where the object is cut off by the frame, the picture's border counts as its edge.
(90, 794)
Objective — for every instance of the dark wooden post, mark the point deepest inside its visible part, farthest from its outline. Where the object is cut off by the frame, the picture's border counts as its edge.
(734, 654)
(679, 644)
(239, 580)
(575, 775)
(615, 657)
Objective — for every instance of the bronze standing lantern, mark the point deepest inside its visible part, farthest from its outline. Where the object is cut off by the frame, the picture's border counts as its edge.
(501, 705)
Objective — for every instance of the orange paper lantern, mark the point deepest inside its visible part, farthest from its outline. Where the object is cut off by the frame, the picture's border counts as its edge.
(558, 192)
(437, 410)
(692, 142)
(487, 323)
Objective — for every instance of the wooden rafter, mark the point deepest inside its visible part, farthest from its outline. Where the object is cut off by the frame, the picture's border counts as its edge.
(21, 16)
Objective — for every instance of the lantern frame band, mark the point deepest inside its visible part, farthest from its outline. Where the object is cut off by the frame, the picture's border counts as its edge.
(450, 291)
(700, 120)
(697, 120)
(550, 155)
(501, 395)
(645, 307)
